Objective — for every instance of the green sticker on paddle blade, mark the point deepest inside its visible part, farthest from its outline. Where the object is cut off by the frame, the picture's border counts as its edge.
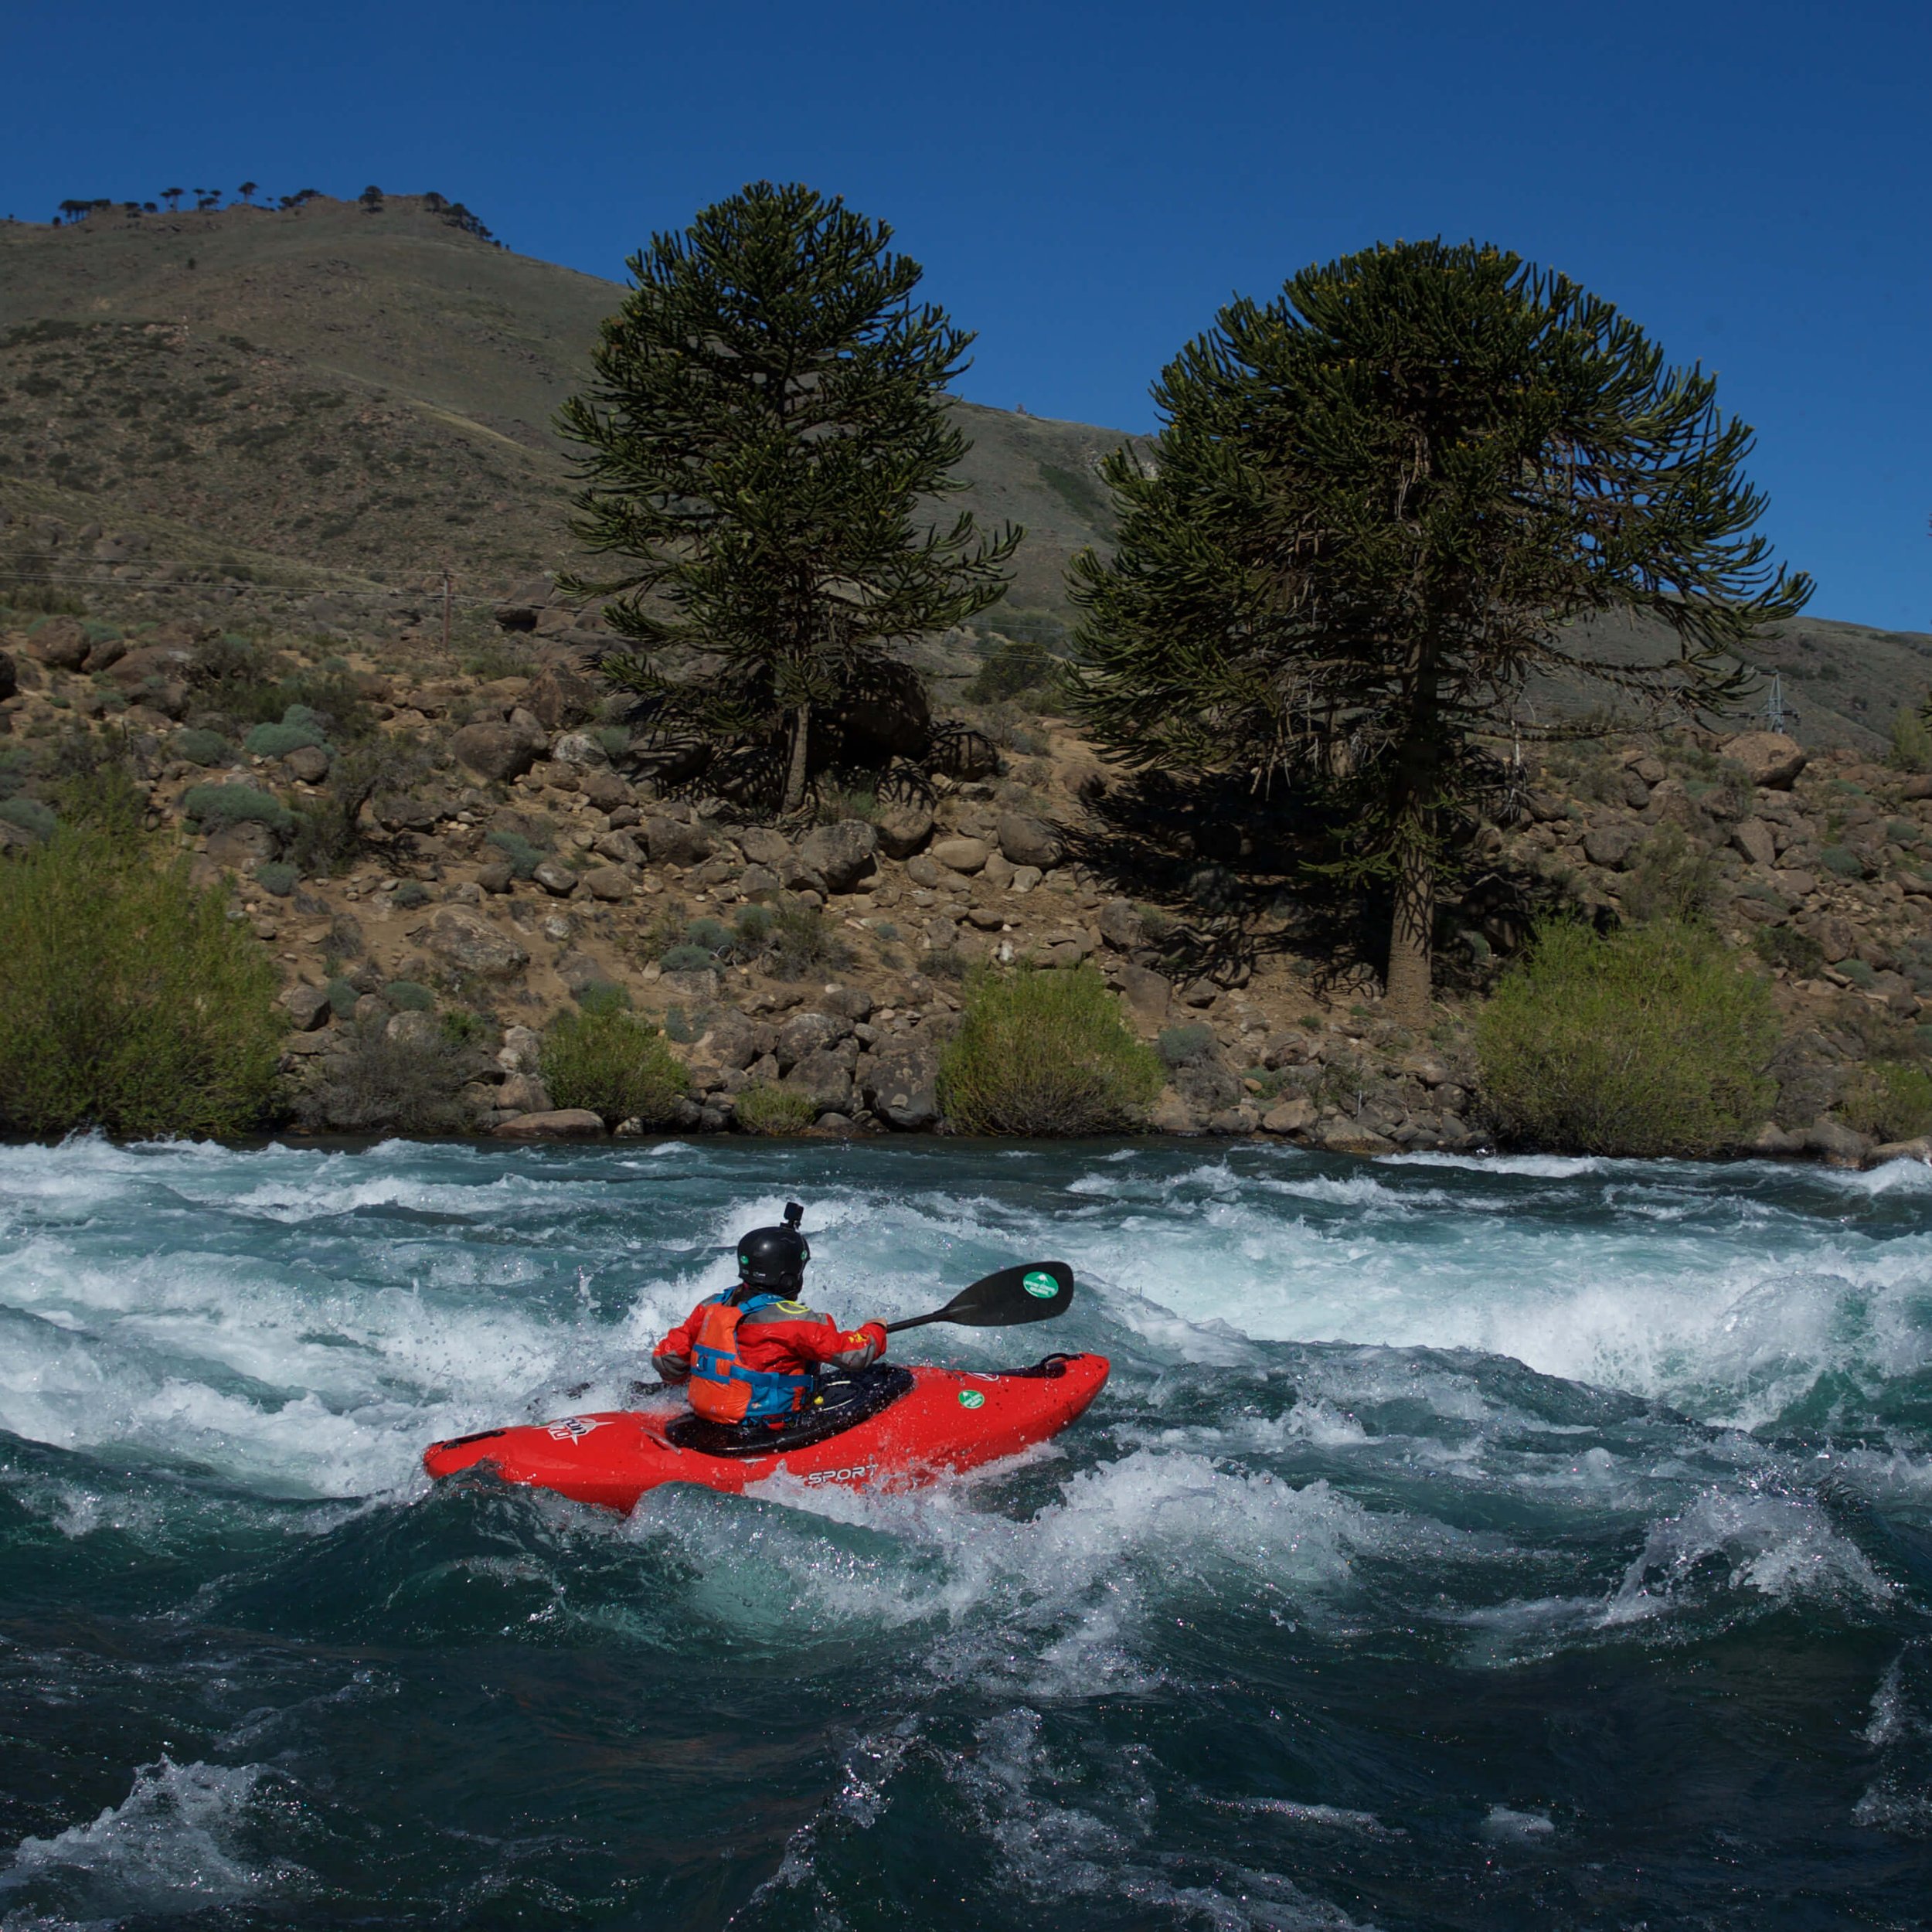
(971, 1399)
(1036, 1281)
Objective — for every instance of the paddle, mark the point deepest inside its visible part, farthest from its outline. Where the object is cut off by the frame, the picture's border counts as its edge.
(1034, 1292)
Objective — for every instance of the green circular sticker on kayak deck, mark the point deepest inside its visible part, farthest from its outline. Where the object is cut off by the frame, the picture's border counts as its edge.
(972, 1399)
(1039, 1282)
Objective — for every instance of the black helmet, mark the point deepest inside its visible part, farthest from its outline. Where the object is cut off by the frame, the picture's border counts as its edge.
(775, 1257)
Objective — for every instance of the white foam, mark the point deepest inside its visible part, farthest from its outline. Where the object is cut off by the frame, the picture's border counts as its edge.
(169, 1846)
(1519, 1828)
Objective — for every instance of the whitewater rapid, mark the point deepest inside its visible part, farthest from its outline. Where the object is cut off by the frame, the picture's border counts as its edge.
(1440, 1511)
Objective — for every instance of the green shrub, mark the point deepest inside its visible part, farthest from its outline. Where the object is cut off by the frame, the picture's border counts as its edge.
(1911, 741)
(685, 958)
(945, 962)
(713, 935)
(1672, 879)
(342, 998)
(614, 739)
(613, 1063)
(1891, 1099)
(1181, 1046)
(802, 941)
(203, 748)
(244, 681)
(1648, 1043)
(411, 893)
(1043, 1051)
(405, 996)
(1786, 946)
(766, 1107)
(132, 1003)
(277, 878)
(1860, 974)
(278, 740)
(29, 815)
(216, 806)
(377, 1083)
(1014, 664)
(462, 1028)
(524, 857)
(1843, 861)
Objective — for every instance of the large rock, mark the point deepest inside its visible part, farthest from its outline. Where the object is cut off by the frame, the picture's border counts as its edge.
(566, 1123)
(731, 1043)
(61, 644)
(1294, 1116)
(825, 1079)
(1611, 846)
(580, 750)
(1752, 839)
(804, 1034)
(763, 846)
(559, 699)
(494, 750)
(899, 1081)
(1146, 993)
(610, 883)
(1839, 1145)
(842, 854)
(673, 843)
(904, 827)
(470, 943)
(605, 790)
(1769, 758)
(307, 1008)
(158, 665)
(961, 854)
(1027, 841)
(555, 879)
(1121, 925)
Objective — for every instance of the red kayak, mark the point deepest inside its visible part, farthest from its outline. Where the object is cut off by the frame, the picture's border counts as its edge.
(885, 1426)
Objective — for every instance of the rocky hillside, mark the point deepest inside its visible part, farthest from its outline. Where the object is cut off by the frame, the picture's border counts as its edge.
(374, 391)
(510, 856)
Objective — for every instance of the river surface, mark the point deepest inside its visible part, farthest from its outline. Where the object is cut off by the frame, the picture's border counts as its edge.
(1513, 1543)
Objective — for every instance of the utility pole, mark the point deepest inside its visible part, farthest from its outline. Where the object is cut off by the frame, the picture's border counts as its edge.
(449, 585)
(1774, 704)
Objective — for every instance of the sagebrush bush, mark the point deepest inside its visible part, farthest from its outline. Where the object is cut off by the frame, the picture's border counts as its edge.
(204, 748)
(1649, 1043)
(1045, 1052)
(129, 1001)
(277, 878)
(607, 1060)
(297, 728)
(216, 806)
(1911, 741)
(1891, 1099)
(523, 857)
(407, 996)
(377, 1083)
(1672, 878)
(29, 815)
(766, 1107)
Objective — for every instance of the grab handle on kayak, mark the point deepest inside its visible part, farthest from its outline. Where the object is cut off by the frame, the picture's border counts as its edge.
(1034, 1292)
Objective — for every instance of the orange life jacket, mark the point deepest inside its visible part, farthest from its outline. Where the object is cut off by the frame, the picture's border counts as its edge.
(723, 1389)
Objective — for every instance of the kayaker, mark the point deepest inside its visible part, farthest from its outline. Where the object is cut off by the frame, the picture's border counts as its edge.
(751, 1355)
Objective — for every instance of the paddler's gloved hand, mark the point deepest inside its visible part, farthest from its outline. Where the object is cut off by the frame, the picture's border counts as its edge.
(856, 1348)
(671, 1366)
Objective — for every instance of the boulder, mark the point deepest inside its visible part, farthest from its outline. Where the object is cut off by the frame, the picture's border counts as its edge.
(414, 1029)
(1121, 925)
(1146, 993)
(495, 751)
(241, 848)
(521, 1050)
(1349, 1137)
(610, 883)
(1293, 1115)
(1840, 1146)
(1752, 839)
(1027, 841)
(899, 1079)
(307, 1008)
(842, 854)
(804, 1034)
(763, 846)
(1918, 786)
(524, 1092)
(961, 854)
(922, 872)
(605, 790)
(558, 699)
(557, 879)
(904, 826)
(824, 1077)
(1171, 1115)
(565, 1123)
(1919, 1149)
(620, 848)
(732, 1043)
(758, 881)
(470, 943)
(1769, 758)
(673, 843)
(496, 877)
(1200, 993)
(60, 644)
(581, 750)
(106, 655)
(852, 1004)
(698, 987)
(407, 814)
(1610, 846)
(310, 763)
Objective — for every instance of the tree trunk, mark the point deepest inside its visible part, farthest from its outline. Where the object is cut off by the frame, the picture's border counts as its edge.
(795, 768)
(1411, 937)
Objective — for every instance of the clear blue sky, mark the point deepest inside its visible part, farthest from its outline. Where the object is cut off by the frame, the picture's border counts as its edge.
(1085, 184)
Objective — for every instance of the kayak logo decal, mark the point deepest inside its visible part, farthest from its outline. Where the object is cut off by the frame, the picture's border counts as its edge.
(853, 1474)
(1038, 1283)
(972, 1398)
(571, 1427)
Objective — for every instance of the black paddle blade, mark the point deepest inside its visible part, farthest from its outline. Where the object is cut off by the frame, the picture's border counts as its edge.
(1035, 1291)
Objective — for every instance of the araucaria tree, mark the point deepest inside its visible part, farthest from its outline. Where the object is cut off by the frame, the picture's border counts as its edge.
(766, 433)
(1376, 504)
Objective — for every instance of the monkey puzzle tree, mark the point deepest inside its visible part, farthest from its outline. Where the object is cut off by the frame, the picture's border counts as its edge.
(768, 417)
(1376, 503)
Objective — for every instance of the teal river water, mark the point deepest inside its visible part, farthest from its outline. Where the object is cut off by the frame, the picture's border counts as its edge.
(1509, 1544)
